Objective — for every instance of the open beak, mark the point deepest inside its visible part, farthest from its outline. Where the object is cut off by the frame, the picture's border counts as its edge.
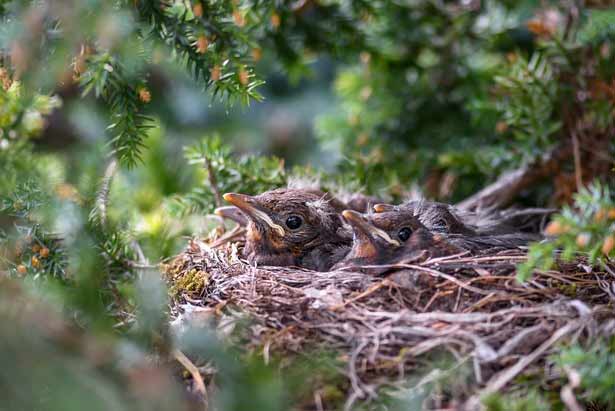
(381, 208)
(250, 207)
(232, 213)
(361, 225)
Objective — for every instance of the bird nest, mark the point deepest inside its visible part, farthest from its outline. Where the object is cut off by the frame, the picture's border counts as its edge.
(469, 308)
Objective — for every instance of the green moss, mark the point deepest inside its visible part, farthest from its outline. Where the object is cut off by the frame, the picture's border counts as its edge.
(569, 290)
(191, 283)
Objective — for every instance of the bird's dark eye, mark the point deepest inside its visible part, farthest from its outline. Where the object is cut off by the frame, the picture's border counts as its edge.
(404, 234)
(293, 222)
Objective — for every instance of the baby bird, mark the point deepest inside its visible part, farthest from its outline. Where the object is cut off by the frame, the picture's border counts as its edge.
(293, 227)
(437, 217)
(442, 219)
(389, 238)
(357, 202)
(446, 219)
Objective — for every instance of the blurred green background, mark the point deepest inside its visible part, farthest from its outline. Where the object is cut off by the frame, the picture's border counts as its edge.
(109, 111)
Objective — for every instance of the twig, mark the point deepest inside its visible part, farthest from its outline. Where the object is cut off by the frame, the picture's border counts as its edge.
(490, 258)
(142, 260)
(273, 338)
(500, 380)
(365, 293)
(450, 278)
(435, 297)
(196, 375)
(355, 381)
(102, 198)
(318, 400)
(567, 392)
(229, 236)
(211, 175)
(572, 18)
(502, 191)
(142, 266)
(578, 171)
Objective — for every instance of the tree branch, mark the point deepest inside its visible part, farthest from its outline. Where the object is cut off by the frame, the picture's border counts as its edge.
(213, 182)
(501, 192)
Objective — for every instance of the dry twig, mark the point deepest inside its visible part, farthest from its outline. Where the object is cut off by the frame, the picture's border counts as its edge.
(196, 376)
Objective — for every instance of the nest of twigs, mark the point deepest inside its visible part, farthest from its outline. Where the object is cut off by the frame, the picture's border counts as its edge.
(470, 306)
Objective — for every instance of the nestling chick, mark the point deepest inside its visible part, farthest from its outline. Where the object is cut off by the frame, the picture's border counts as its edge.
(444, 218)
(389, 238)
(440, 218)
(437, 217)
(527, 220)
(362, 203)
(357, 202)
(293, 227)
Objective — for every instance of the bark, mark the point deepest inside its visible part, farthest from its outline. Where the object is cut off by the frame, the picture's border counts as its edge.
(503, 191)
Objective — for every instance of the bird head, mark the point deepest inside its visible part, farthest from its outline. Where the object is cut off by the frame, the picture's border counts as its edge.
(371, 244)
(286, 224)
(436, 217)
(391, 237)
(403, 225)
(400, 225)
